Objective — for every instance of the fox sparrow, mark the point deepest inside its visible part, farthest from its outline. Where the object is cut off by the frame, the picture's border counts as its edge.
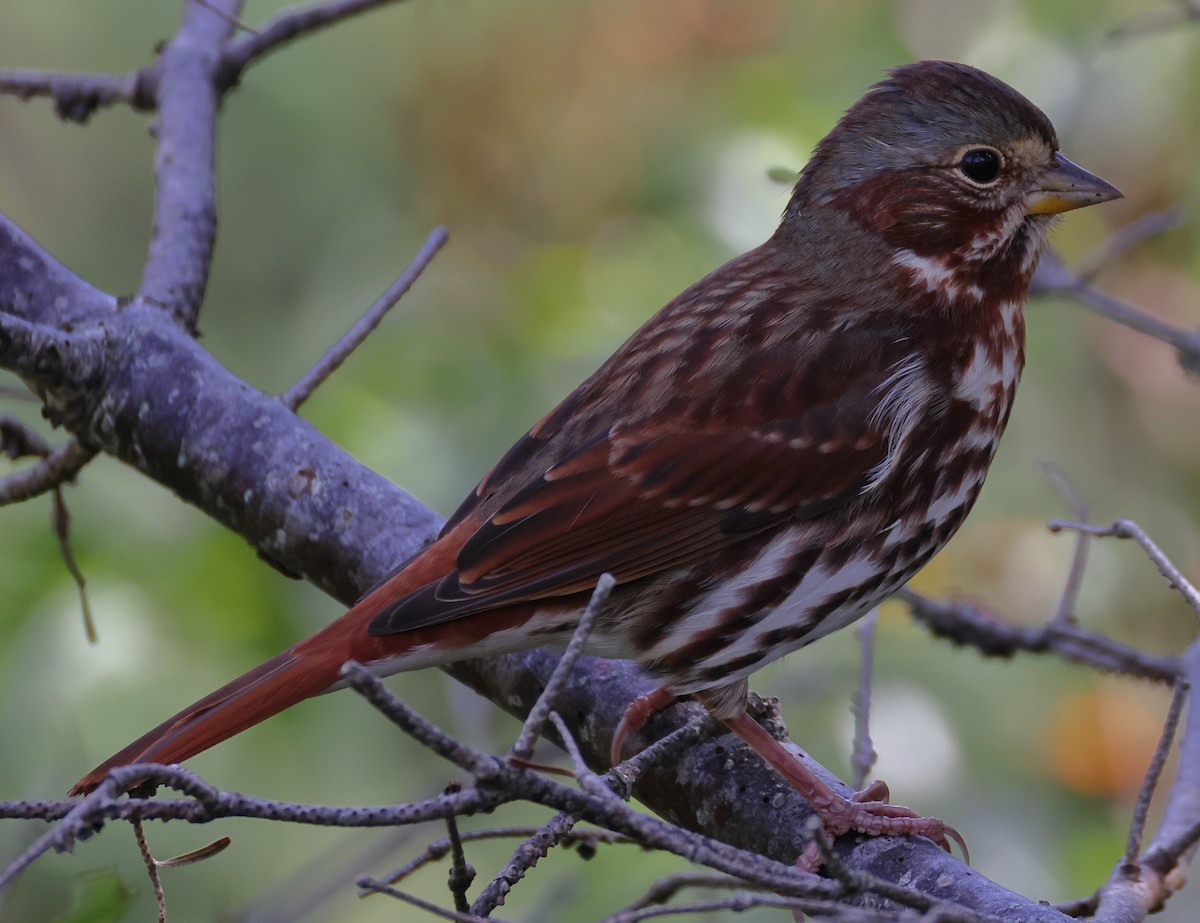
(772, 454)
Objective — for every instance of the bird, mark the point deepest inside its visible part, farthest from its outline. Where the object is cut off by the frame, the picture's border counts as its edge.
(771, 455)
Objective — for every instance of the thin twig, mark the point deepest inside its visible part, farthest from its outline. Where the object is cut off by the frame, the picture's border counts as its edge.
(702, 726)
(59, 466)
(665, 888)
(1064, 614)
(228, 17)
(293, 24)
(531, 729)
(77, 96)
(509, 782)
(461, 872)
(585, 841)
(1053, 277)
(367, 684)
(19, 440)
(83, 817)
(61, 521)
(1127, 528)
(1141, 810)
(528, 853)
(1149, 225)
(588, 780)
(1179, 831)
(748, 900)
(1158, 20)
(152, 866)
(1137, 888)
(55, 467)
(370, 884)
(965, 624)
(302, 390)
(863, 757)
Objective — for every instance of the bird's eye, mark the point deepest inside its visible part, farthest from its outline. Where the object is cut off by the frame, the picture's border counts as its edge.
(980, 165)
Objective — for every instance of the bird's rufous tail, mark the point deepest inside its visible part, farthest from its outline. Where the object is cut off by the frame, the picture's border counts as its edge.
(269, 688)
(308, 668)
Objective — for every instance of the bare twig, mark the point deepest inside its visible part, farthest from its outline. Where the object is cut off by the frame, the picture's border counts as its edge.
(702, 726)
(1141, 885)
(461, 873)
(81, 818)
(962, 623)
(585, 841)
(1185, 342)
(1078, 507)
(378, 887)
(522, 748)
(1158, 20)
(77, 96)
(1127, 528)
(527, 855)
(61, 523)
(588, 780)
(152, 866)
(302, 390)
(366, 684)
(56, 467)
(1149, 225)
(1141, 810)
(228, 17)
(19, 440)
(1053, 277)
(663, 890)
(863, 756)
(1180, 829)
(745, 900)
(292, 24)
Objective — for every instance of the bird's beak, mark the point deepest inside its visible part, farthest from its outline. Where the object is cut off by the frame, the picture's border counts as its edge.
(1066, 186)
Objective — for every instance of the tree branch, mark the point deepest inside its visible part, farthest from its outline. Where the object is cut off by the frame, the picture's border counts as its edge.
(77, 96)
(185, 205)
(1053, 277)
(340, 351)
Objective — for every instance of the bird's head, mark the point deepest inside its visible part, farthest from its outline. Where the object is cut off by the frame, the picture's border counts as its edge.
(947, 163)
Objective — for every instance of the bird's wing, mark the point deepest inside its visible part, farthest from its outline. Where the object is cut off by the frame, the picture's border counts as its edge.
(659, 492)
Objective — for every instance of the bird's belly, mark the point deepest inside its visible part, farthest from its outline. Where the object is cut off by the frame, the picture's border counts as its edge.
(814, 587)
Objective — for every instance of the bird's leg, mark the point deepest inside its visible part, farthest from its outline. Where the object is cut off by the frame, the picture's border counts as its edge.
(640, 710)
(865, 812)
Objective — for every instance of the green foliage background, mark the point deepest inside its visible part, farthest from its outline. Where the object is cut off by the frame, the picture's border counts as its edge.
(590, 158)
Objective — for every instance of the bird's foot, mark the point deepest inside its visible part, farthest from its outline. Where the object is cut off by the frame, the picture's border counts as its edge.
(640, 710)
(869, 812)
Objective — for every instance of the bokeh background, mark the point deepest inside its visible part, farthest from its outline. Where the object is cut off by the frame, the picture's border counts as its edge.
(590, 159)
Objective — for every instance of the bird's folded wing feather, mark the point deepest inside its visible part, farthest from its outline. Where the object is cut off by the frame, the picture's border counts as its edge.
(656, 494)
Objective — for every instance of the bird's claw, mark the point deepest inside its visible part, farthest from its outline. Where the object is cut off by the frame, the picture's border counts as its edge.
(869, 812)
